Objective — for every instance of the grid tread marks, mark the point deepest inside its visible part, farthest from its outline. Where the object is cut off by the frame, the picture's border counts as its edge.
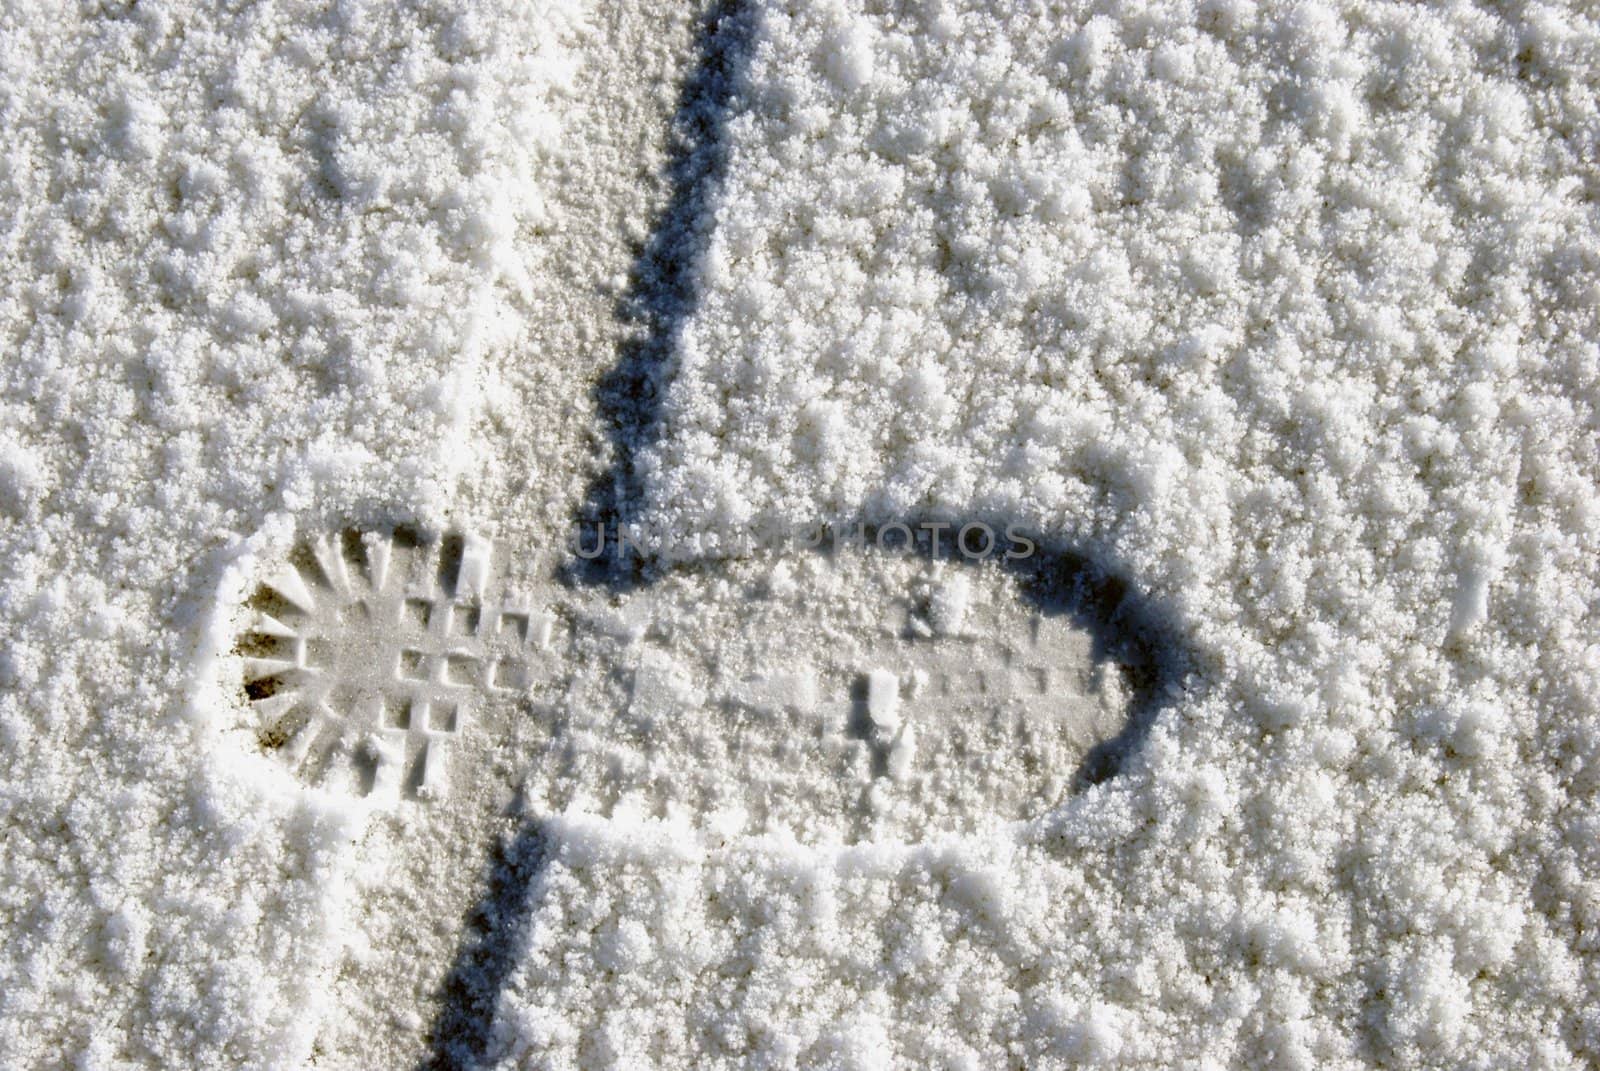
(369, 655)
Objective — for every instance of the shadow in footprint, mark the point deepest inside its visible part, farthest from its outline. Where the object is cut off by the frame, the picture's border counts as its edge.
(1125, 631)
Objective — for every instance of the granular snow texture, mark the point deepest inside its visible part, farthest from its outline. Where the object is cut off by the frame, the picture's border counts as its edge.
(250, 258)
(1291, 314)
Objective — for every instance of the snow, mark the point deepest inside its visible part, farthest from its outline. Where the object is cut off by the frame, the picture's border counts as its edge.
(883, 700)
(1289, 314)
(252, 255)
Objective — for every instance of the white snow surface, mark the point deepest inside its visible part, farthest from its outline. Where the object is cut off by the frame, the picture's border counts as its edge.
(251, 256)
(1290, 314)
